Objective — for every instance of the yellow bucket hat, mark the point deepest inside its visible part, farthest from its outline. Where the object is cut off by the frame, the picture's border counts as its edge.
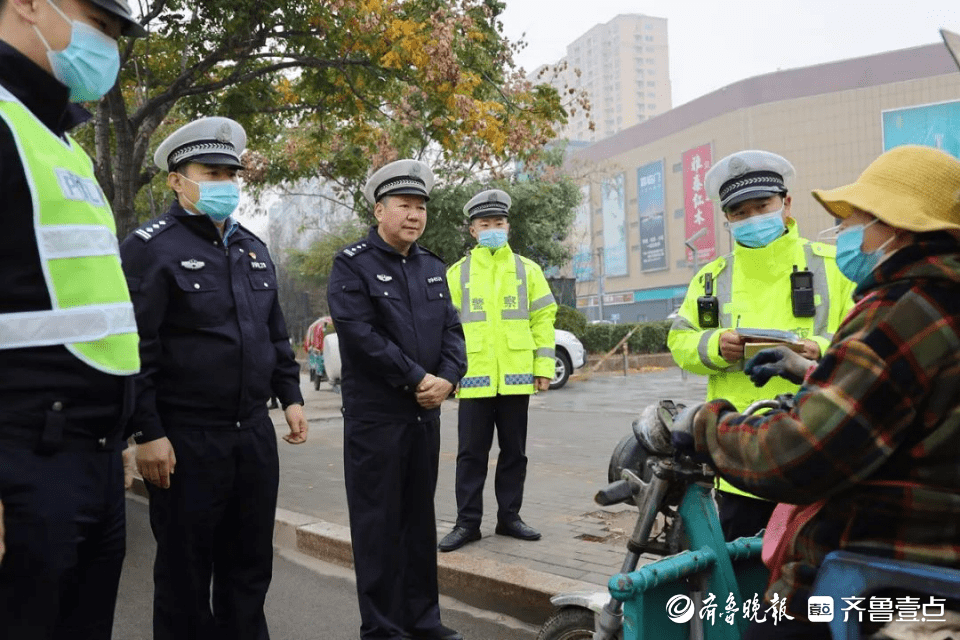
(909, 187)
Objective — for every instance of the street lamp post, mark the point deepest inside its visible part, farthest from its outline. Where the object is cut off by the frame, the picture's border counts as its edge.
(696, 254)
(600, 280)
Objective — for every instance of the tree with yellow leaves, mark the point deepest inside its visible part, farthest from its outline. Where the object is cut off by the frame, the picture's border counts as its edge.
(325, 88)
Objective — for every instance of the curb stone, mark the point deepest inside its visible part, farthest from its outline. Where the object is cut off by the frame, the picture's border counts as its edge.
(510, 590)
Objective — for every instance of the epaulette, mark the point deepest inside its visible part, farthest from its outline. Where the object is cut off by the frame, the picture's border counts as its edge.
(155, 227)
(250, 233)
(430, 253)
(357, 248)
(823, 250)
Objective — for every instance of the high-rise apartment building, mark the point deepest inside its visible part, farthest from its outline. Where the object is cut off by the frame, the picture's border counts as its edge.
(623, 66)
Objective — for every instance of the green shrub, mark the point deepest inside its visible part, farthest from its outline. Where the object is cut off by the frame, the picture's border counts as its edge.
(569, 319)
(650, 337)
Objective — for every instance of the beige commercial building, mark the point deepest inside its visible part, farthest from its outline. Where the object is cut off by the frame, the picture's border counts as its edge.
(643, 188)
(623, 66)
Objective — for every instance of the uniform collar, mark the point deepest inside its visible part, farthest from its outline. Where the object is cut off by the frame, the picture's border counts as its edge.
(373, 237)
(203, 226)
(45, 96)
(485, 256)
(772, 255)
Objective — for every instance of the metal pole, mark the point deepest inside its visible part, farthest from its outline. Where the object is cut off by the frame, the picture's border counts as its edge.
(600, 280)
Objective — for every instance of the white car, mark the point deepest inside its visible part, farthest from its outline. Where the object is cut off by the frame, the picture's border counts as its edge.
(569, 355)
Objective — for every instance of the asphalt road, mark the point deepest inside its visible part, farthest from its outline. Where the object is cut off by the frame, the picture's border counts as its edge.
(308, 599)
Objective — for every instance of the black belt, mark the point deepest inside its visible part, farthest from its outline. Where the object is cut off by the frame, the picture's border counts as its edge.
(55, 436)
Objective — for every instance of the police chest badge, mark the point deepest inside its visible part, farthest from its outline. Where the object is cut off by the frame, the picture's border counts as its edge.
(258, 265)
(193, 264)
(384, 278)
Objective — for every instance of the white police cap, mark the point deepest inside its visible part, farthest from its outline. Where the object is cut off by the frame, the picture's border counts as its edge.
(401, 177)
(492, 202)
(215, 140)
(747, 174)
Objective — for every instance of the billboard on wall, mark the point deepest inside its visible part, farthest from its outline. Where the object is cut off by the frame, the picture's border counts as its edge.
(650, 202)
(582, 262)
(930, 125)
(614, 226)
(698, 208)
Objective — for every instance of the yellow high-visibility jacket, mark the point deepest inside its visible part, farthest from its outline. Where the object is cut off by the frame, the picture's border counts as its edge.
(754, 291)
(507, 312)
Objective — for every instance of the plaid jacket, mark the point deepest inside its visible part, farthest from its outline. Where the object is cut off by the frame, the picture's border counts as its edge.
(875, 430)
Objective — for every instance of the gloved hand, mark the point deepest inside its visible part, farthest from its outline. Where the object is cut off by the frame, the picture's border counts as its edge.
(778, 361)
(665, 428)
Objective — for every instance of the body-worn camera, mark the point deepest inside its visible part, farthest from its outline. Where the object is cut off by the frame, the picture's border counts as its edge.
(708, 307)
(801, 293)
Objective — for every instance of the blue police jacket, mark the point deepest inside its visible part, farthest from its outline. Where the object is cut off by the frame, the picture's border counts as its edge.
(213, 343)
(395, 324)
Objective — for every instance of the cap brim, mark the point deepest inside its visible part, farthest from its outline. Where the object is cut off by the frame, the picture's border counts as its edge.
(216, 159)
(896, 210)
(490, 214)
(750, 195)
(406, 191)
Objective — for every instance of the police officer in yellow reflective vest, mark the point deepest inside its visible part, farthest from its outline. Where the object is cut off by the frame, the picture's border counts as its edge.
(507, 311)
(68, 336)
(773, 279)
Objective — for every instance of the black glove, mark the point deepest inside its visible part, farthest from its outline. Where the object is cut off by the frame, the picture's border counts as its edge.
(778, 361)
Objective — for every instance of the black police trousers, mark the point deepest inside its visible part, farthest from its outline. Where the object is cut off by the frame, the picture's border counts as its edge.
(65, 539)
(391, 477)
(741, 516)
(216, 520)
(476, 421)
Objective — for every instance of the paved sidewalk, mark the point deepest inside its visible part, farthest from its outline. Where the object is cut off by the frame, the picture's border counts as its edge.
(571, 435)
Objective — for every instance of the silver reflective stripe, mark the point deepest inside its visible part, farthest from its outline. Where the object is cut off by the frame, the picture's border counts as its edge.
(77, 241)
(540, 303)
(522, 312)
(65, 326)
(466, 315)
(703, 350)
(818, 267)
(682, 324)
(518, 378)
(544, 352)
(723, 289)
(475, 382)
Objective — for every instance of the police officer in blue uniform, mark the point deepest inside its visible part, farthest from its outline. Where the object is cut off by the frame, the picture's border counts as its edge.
(214, 348)
(66, 362)
(402, 351)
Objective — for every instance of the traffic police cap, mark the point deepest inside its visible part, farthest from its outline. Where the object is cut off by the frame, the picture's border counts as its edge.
(216, 140)
(399, 178)
(745, 175)
(492, 202)
(121, 9)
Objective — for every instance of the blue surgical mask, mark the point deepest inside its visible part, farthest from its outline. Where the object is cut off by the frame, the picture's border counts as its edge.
(493, 238)
(759, 231)
(218, 198)
(90, 63)
(852, 261)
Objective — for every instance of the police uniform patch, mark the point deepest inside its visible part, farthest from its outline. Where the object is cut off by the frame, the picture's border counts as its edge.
(152, 229)
(193, 264)
(384, 278)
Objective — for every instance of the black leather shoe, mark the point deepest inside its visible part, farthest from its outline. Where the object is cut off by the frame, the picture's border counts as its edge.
(517, 529)
(439, 633)
(457, 538)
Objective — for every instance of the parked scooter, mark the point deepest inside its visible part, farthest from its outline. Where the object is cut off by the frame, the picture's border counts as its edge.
(698, 572)
(695, 557)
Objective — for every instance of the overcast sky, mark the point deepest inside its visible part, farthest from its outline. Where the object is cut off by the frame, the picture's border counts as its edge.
(714, 43)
